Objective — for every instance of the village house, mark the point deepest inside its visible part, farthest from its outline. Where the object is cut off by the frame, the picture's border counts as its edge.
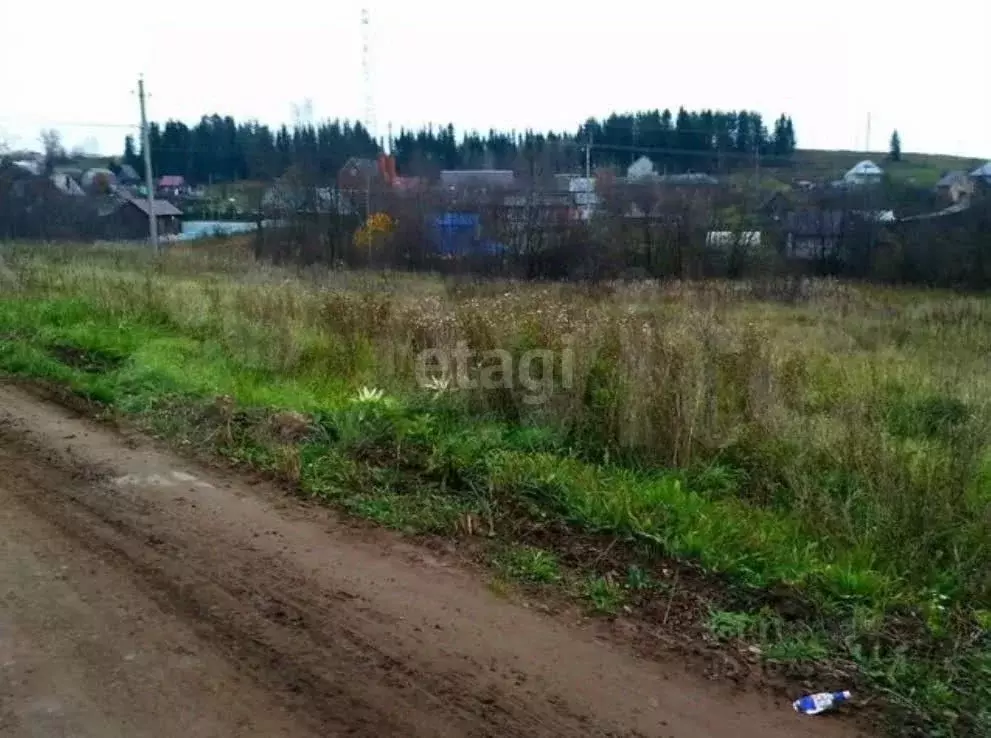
(127, 219)
(982, 175)
(72, 171)
(863, 173)
(477, 180)
(171, 185)
(286, 197)
(955, 187)
(67, 185)
(642, 168)
(358, 174)
(128, 175)
(689, 179)
(98, 181)
(775, 206)
(35, 206)
(813, 233)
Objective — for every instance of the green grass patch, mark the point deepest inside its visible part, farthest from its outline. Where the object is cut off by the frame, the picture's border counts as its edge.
(529, 564)
(603, 595)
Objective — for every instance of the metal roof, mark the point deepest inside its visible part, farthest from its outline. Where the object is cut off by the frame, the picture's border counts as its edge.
(129, 173)
(362, 163)
(457, 220)
(695, 178)
(32, 167)
(161, 207)
(951, 178)
(982, 171)
(865, 168)
(67, 185)
(478, 178)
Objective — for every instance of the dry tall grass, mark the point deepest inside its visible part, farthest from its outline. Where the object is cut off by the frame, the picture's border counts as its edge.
(863, 411)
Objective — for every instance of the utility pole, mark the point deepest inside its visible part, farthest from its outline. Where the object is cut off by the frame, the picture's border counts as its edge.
(633, 153)
(368, 195)
(588, 157)
(149, 177)
(368, 215)
(867, 143)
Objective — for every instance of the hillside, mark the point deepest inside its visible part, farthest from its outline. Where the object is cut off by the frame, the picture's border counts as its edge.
(924, 169)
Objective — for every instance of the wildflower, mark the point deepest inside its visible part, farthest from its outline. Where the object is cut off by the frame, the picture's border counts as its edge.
(370, 395)
(437, 385)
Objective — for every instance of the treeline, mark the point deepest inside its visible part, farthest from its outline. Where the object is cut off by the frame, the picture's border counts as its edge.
(221, 149)
(218, 149)
(706, 141)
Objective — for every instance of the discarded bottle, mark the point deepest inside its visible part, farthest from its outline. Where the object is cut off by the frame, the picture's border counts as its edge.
(813, 704)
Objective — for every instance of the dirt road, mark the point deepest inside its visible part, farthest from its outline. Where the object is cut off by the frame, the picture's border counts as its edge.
(143, 596)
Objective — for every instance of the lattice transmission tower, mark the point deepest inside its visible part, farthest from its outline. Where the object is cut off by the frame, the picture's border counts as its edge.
(366, 67)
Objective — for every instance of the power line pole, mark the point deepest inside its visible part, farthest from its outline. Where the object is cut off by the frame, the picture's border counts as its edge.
(588, 157)
(149, 178)
(633, 153)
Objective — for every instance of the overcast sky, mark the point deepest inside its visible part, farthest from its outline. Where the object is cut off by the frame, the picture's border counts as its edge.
(925, 70)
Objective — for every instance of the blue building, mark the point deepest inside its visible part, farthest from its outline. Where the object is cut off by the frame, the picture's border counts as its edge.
(460, 234)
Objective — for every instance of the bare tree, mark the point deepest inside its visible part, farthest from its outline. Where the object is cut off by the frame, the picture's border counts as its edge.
(54, 151)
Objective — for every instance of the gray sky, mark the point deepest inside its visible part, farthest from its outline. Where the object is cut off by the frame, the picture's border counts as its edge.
(505, 64)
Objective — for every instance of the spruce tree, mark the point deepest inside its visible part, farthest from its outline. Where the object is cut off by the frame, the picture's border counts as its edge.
(895, 153)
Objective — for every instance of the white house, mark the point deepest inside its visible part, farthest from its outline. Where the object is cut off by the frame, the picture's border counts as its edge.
(983, 173)
(956, 186)
(640, 169)
(866, 172)
(67, 185)
(582, 189)
(33, 167)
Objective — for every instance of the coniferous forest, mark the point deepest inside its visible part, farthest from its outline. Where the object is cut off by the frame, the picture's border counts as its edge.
(219, 149)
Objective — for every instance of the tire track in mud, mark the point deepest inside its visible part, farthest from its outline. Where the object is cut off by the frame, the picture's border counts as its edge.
(289, 641)
(340, 627)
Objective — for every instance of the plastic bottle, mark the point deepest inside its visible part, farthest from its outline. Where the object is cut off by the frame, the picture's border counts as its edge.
(813, 704)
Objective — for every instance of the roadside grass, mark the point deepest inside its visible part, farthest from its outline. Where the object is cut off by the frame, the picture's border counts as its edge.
(604, 595)
(824, 459)
(529, 564)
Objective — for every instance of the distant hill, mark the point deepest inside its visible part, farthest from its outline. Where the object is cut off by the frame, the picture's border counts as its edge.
(922, 169)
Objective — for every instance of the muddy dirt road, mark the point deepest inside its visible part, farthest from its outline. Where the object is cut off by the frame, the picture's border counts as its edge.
(141, 595)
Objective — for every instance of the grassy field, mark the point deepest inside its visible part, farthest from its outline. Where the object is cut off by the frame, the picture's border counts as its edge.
(923, 170)
(816, 455)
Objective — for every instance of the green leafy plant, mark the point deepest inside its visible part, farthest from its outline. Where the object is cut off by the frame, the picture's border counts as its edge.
(604, 595)
(530, 564)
